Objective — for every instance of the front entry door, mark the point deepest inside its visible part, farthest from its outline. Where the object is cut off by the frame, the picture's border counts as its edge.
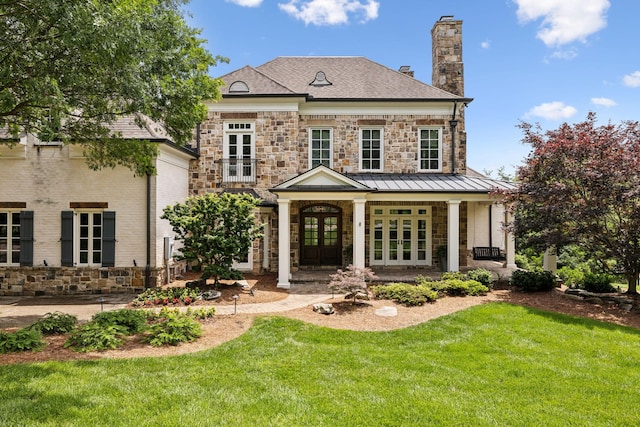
(321, 235)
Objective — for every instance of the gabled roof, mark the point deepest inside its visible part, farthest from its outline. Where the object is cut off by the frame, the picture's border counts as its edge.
(321, 178)
(347, 78)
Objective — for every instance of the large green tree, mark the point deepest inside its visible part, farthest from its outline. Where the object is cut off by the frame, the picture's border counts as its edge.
(581, 184)
(69, 68)
(215, 230)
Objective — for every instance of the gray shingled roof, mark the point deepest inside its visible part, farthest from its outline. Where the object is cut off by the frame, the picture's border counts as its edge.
(129, 129)
(351, 77)
(432, 183)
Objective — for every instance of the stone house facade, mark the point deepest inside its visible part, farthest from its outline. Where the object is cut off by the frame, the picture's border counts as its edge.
(354, 162)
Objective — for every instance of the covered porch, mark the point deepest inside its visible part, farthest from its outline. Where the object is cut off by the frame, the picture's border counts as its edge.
(393, 223)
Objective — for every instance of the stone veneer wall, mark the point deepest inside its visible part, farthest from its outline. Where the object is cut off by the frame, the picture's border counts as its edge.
(282, 152)
(282, 146)
(74, 281)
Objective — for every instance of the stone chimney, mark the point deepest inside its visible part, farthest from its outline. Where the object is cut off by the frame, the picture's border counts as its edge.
(447, 67)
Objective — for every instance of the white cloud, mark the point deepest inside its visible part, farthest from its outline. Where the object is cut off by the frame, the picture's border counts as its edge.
(632, 80)
(485, 44)
(331, 12)
(604, 102)
(246, 3)
(564, 21)
(552, 111)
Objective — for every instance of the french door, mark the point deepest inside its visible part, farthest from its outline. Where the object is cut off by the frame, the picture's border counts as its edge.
(400, 236)
(321, 236)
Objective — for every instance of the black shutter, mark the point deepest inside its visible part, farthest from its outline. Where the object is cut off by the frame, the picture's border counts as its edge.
(109, 239)
(67, 239)
(26, 238)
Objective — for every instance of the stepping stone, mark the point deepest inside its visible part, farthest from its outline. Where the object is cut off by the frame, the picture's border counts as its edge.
(387, 312)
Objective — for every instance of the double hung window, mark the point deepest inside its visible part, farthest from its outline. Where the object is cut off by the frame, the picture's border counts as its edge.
(430, 149)
(371, 149)
(321, 142)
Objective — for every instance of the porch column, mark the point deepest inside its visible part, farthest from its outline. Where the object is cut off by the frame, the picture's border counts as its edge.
(510, 244)
(453, 236)
(358, 232)
(284, 244)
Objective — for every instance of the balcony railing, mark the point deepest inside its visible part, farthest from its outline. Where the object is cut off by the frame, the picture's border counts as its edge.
(238, 170)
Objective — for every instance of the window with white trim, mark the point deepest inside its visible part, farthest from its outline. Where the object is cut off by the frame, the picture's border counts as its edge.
(10, 238)
(371, 149)
(89, 238)
(320, 143)
(430, 149)
(238, 164)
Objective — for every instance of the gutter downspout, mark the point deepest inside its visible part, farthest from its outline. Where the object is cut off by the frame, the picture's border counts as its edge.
(147, 271)
(453, 123)
(198, 138)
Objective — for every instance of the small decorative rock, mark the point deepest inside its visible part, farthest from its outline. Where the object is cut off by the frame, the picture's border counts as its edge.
(209, 295)
(387, 312)
(322, 308)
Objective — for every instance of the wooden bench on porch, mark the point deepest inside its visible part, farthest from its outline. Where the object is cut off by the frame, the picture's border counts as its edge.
(487, 253)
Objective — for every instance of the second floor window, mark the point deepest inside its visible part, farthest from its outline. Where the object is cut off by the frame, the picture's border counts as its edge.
(371, 143)
(430, 150)
(321, 141)
(238, 164)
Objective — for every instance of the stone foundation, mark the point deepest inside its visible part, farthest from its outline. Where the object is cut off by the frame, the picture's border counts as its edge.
(37, 281)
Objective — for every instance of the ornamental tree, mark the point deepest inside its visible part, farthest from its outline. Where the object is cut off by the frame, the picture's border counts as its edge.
(353, 281)
(70, 68)
(215, 230)
(581, 184)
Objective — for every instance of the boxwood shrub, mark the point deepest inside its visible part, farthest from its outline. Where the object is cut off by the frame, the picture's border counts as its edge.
(533, 281)
(405, 293)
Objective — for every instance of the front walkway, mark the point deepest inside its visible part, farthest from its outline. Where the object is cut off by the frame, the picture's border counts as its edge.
(308, 287)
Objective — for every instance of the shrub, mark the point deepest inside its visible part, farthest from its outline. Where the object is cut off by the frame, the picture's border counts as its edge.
(173, 329)
(131, 321)
(598, 283)
(457, 287)
(93, 336)
(201, 313)
(55, 323)
(404, 293)
(572, 277)
(533, 281)
(21, 340)
(481, 275)
(453, 275)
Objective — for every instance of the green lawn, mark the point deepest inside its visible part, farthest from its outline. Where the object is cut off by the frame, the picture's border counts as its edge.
(490, 365)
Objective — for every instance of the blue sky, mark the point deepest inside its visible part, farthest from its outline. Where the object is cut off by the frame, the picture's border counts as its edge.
(541, 61)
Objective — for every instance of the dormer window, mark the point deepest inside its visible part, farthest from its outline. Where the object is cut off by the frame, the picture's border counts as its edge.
(238, 87)
(320, 80)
